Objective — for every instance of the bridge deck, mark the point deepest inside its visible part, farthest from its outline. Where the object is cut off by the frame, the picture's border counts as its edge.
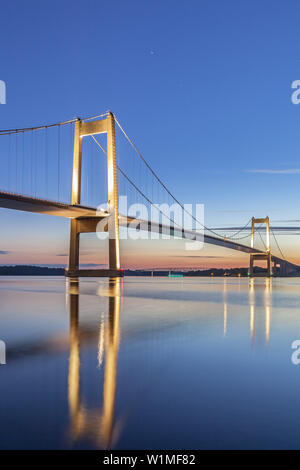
(41, 206)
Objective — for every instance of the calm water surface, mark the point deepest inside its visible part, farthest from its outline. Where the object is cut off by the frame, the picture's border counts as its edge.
(159, 363)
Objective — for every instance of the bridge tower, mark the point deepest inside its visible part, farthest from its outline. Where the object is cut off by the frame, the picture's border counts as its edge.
(89, 224)
(264, 255)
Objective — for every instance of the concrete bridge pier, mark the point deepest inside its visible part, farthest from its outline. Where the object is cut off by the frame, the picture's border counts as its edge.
(283, 269)
(260, 256)
(88, 225)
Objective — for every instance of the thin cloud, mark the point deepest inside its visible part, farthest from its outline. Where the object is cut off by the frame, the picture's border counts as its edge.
(59, 265)
(289, 171)
(2, 252)
(237, 211)
(196, 256)
(286, 220)
(66, 254)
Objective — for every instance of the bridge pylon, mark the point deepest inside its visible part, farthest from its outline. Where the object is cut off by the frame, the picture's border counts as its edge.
(89, 224)
(266, 255)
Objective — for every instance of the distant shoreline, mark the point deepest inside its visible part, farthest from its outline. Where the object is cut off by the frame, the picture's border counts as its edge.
(28, 270)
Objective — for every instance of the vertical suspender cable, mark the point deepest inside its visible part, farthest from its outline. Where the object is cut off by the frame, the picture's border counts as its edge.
(23, 161)
(46, 161)
(16, 188)
(35, 163)
(93, 179)
(87, 176)
(58, 160)
(30, 164)
(9, 162)
(70, 143)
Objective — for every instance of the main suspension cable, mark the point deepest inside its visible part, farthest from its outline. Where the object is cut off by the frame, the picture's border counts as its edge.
(278, 245)
(136, 187)
(164, 186)
(47, 126)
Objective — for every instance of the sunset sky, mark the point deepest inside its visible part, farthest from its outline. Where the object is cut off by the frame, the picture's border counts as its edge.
(202, 87)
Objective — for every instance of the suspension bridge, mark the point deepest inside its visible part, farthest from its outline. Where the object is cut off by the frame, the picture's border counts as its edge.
(56, 169)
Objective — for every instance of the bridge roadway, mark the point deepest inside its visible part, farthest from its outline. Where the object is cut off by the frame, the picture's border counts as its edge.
(89, 218)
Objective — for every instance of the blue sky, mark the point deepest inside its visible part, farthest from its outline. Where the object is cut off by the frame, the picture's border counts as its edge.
(203, 87)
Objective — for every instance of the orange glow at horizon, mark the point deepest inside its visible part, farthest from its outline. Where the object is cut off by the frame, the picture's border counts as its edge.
(135, 254)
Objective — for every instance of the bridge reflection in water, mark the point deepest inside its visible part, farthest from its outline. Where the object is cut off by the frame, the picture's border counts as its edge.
(95, 424)
(99, 425)
(267, 308)
(184, 363)
(253, 290)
